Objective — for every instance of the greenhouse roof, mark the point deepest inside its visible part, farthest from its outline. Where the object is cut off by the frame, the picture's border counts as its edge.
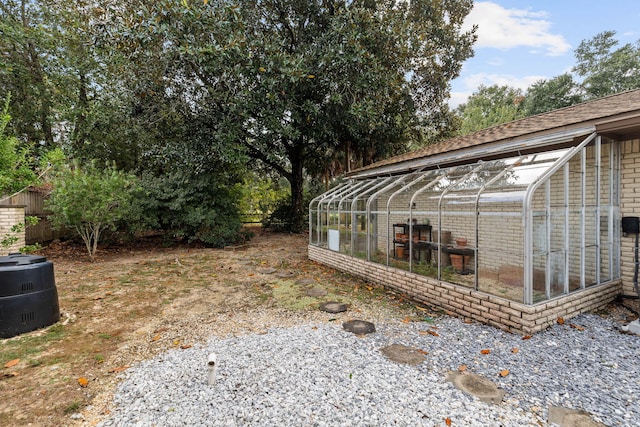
(616, 116)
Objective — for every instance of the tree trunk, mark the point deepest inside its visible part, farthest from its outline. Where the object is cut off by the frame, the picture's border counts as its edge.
(79, 135)
(297, 190)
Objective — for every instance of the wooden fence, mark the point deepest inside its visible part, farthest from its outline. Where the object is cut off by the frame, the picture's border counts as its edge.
(33, 202)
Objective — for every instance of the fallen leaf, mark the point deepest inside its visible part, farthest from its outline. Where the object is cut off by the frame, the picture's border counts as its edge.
(485, 351)
(560, 321)
(160, 330)
(434, 333)
(574, 326)
(462, 368)
(406, 320)
(11, 363)
(176, 342)
(515, 350)
(504, 373)
(9, 375)
(83, 382)
(447, 421)
(423, 351)
(186, 346)
(526, 337)
(156, 338)
(422, 308)
(119, 369)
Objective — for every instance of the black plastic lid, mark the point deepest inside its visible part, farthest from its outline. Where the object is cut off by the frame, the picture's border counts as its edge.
(20, 259)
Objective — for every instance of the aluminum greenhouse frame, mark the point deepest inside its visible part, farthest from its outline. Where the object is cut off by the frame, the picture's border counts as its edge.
(513, 231)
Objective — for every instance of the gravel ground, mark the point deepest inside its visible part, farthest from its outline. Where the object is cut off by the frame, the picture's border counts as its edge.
(317, 374)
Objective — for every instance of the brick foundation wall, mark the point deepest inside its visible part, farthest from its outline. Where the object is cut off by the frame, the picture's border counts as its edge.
(469, 304)
(10, 216)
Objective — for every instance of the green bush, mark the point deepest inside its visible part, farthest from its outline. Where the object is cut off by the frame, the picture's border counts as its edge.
(192, 207)
(91, 200)
(16, 170)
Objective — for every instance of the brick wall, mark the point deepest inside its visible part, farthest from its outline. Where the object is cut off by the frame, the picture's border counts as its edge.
(629, 206)
(10, 216)
(469, 304)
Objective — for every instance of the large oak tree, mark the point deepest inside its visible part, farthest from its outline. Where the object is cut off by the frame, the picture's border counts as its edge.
(293, 83)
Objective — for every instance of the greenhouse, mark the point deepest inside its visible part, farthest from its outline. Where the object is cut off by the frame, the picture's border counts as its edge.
(523, 219)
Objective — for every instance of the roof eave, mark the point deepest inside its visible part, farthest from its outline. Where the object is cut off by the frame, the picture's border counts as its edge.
(493, 149)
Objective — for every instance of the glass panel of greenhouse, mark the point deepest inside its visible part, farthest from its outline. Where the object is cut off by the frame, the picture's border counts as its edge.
(526, 228)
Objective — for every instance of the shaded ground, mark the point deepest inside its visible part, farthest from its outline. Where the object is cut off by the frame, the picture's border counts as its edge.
(135, 302)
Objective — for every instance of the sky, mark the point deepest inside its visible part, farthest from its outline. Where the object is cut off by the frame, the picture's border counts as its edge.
(523, 41)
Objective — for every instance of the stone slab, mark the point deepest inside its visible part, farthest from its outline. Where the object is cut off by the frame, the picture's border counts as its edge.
(403, 354)
(477, 385)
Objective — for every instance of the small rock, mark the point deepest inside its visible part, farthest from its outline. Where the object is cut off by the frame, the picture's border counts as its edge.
(359, 327)
(403, 354)
(285, 274)
(316, 292)
(333, 307)
(565, 417)
(477, 385)
(305, 281)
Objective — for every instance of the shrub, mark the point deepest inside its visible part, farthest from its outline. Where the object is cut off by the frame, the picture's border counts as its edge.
(15, 162)
(193, 207)
(91, 200)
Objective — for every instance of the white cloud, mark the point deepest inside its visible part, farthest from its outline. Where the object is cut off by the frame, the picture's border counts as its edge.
(509, 28)
(458, 98)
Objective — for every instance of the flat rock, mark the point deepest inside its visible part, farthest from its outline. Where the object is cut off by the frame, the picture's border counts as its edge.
(333, 307)
(565, 417)
(236, 247)
(359, 327)
(316, 292)
(285, 274)
(267, 270)
(476, 385)
(305, 281)
(403, 354)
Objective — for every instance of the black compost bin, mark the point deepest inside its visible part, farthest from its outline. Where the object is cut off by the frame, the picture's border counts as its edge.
(28, 294)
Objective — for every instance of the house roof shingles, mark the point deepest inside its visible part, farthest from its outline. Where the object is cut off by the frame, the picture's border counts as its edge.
(600, 111)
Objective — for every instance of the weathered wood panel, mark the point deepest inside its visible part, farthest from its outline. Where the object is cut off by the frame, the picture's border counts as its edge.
(33, 202)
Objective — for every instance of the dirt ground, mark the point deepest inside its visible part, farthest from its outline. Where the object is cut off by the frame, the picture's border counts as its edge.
(136, 301)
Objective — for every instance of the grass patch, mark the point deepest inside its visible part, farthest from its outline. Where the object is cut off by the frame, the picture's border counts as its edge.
(30, 346)
(72, 408)
(290, 295)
